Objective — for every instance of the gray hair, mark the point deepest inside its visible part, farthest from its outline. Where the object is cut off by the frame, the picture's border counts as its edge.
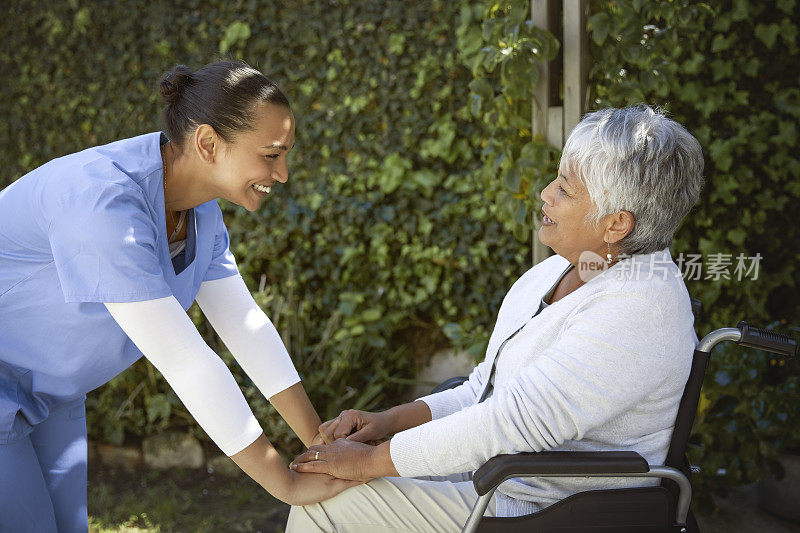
(636, 159)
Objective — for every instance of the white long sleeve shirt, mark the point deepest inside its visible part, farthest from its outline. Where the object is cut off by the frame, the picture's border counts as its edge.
(601, 369)
(166, 336)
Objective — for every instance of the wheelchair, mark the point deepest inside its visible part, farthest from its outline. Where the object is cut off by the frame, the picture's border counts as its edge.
(655, 509)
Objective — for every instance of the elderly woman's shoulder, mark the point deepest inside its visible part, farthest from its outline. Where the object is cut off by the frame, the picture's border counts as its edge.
(537, 279)
(654, 277)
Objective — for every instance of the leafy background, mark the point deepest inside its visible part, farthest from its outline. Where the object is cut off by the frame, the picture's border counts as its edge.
(415, 176)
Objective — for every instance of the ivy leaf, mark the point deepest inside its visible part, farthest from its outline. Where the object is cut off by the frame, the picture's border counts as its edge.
(740, 10)
(600, 26)
(371, 315)
(482, 88)
(767, 33)
(512, 179)
(786, 5)
(720, 43)
(158, 406)
(236, 34)
(394, 169)
(737, 236)
(396, 42)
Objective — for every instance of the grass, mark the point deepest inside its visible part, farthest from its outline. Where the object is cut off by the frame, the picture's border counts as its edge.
(179, 500)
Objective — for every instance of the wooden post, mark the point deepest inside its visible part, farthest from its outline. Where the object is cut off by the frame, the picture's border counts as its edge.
(553, 117)
(576, 62)
(544, 15)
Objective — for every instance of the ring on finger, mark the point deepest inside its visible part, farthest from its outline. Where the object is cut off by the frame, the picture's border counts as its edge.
(316, 456)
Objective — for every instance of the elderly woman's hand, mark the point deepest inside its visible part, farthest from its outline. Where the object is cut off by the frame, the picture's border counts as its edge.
(347, 459)
(360, 426)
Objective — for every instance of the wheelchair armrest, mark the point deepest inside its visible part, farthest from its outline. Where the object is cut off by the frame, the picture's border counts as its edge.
(503, 467)
(450, 383)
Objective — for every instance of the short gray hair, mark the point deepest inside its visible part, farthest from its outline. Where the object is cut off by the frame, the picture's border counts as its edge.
(636, 159)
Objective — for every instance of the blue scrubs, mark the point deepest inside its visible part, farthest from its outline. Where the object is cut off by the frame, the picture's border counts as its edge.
(81, 230)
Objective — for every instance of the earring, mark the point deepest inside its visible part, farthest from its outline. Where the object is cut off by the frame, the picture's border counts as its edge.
(608, 255)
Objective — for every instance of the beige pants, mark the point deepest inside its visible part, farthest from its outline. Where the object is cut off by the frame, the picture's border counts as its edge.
(392, 504)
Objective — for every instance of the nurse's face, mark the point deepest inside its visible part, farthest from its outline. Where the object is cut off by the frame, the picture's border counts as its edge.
(248, 167)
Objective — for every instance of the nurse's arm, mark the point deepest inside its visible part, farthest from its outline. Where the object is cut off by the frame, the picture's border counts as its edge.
(263, 464)
(295, 407)
(257, 347)
(163, 332)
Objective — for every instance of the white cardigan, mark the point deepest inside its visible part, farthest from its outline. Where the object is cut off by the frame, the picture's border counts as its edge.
(601, 369)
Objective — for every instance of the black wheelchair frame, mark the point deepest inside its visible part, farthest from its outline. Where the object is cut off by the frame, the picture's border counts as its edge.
(656, 509)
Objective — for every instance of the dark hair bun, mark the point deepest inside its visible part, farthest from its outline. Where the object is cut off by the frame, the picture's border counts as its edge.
(220, 94)
(173, 82)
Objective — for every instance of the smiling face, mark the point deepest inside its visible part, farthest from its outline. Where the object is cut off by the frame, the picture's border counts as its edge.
(566, 227)
(249, 166)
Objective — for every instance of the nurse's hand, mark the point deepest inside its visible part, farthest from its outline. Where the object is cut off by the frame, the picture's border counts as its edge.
(305, 489)
(262, 462)
(318, 440)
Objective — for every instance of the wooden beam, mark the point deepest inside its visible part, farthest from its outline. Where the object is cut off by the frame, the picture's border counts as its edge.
(576, 62)
(543, 14)
(555, 126)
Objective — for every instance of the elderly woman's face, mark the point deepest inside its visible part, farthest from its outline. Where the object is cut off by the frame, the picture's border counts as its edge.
(565, 227)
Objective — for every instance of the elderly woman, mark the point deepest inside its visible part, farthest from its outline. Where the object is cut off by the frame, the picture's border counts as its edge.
(579, 359)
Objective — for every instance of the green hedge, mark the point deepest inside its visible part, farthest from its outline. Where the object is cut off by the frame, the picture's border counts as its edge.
(381, 248)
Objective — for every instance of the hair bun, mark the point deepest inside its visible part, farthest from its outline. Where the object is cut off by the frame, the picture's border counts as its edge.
(173, 82)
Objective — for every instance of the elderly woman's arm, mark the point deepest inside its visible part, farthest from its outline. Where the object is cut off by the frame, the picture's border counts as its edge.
(363, 426)
(608, 357)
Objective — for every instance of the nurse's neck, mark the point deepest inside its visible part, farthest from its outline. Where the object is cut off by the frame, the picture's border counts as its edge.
(185, 182)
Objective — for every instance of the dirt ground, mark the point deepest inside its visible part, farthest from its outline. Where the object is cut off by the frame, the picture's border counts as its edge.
(142, 500)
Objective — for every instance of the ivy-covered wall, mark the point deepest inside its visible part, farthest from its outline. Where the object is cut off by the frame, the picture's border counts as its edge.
(414, 168)
(380, 249)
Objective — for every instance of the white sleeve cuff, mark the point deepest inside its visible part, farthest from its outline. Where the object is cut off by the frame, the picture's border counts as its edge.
(249, 435)
(442, 404)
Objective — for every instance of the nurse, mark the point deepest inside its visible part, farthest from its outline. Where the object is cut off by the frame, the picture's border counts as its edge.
(101, 254)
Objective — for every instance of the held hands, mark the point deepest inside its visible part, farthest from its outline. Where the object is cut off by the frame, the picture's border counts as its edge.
(358, 426)
(346, 456)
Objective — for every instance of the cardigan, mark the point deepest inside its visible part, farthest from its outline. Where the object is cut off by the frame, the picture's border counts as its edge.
(601, 369)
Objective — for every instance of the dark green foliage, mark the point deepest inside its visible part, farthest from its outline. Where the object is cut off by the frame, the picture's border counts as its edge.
(381, 248)
(500, 45)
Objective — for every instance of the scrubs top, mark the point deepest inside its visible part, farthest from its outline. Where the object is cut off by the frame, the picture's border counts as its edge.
(81, 230)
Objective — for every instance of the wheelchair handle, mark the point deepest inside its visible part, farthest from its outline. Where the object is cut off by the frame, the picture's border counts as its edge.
(745, 335)
(769, 341)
